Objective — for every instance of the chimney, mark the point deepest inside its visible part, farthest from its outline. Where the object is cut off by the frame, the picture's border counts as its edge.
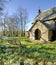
(39, 11)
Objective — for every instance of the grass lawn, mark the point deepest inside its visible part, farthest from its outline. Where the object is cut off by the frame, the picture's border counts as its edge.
(30, 52)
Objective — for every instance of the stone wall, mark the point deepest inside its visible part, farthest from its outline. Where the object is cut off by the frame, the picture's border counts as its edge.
(42, 28)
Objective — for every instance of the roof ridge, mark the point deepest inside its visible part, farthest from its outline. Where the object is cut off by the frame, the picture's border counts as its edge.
(47, 9)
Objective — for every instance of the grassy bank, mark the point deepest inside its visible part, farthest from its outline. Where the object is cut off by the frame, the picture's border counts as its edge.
(30, 52)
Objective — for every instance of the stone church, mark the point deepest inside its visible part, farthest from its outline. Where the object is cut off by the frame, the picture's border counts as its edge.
(44, 26)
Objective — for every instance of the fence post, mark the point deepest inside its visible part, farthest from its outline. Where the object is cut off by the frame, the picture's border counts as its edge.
(21, 62)
(44, 62)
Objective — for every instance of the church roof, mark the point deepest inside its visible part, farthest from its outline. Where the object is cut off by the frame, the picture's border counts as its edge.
(47, 15)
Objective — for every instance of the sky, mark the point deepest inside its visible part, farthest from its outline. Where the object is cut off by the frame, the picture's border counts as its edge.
(32, 7)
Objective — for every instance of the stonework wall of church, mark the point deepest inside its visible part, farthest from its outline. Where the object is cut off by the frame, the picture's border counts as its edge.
(42, 28)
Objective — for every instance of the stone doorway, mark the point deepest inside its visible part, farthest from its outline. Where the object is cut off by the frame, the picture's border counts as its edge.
(53, 38)
(52, 35)
(37, 34)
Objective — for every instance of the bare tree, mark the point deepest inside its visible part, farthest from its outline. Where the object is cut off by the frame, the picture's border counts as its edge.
(11, 25)
(23, 19)
(2, 13)
(9, 22)
(15, 25)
